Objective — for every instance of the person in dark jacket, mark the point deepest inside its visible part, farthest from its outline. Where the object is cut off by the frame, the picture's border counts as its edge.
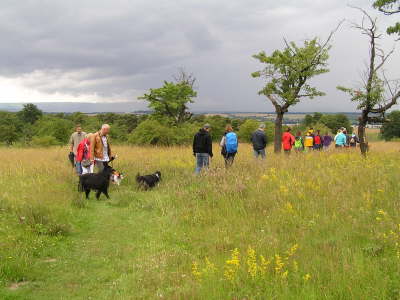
(202, 148)
(259, 141)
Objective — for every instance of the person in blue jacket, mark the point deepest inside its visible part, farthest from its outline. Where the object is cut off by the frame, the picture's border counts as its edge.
(229, 146)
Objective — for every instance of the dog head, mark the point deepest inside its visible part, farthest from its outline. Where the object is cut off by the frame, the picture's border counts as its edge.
(116, 177)
(158, 174)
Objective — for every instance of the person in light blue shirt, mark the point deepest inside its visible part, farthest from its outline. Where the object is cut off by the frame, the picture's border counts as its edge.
(340, 139)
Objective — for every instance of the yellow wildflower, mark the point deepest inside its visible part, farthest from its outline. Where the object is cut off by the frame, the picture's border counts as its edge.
(307, 277)
(252, 262)
(264, 264)
(195, 270)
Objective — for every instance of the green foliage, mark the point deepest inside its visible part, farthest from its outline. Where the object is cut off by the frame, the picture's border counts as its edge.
(389, 7)
(10, 128)
(288, 71)
(391, 128)
(30, 113)
(58, 128)
(44, 141)
(329, 121)
(171, 100)
(153, 132)
(364, 98)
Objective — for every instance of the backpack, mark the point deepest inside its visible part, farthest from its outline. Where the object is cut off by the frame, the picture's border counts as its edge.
(231, 142)
(298, 143)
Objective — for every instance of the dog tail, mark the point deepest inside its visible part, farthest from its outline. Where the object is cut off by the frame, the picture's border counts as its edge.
(80, 184)
(138, 177)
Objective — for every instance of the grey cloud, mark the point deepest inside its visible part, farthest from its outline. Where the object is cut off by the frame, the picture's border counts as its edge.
(118, 49)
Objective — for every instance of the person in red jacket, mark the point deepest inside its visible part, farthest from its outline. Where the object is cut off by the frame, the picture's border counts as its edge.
(318, 141)
(287, 141)
(83, 155)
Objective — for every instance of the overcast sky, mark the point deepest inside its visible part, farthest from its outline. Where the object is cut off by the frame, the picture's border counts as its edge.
(115, 50)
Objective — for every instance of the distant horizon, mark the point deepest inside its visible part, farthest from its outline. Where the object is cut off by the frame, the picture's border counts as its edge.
(122, 107)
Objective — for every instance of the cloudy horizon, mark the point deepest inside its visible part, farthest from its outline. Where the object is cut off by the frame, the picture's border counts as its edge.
(114, 51)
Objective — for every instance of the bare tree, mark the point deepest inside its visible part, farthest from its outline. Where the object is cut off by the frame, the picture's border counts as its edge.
(377, 94)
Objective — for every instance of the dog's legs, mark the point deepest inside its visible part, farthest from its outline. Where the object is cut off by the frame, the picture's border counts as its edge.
(105, 192)
(98, 195)
(87, 192)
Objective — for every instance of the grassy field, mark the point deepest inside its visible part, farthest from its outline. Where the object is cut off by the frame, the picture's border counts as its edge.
(313, 226)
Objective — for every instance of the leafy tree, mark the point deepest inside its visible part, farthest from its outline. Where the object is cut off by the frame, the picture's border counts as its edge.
(288, 74)
(171, 100)
(30, 113)
(58, 128)
(8, 134)
(391, 128)
(334, 122)
(377, 94)
(389, 7)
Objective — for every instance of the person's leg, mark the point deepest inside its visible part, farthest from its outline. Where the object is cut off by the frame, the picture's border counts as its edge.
(206, 160)
(78, 168)
(262, 153)
(256, 153)
(198, 163)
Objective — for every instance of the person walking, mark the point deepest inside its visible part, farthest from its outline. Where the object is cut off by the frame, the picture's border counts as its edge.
(74, 141)
(100, 149)
(309, 140)
(287, 141)
(298, 142)
(318, 141)
(259, 141)
(340, 140)
(83, 155)
(354, 140)
(326, 141)
(202, 148)
(229, 146)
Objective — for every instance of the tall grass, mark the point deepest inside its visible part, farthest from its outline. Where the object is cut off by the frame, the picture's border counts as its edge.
(321, 225)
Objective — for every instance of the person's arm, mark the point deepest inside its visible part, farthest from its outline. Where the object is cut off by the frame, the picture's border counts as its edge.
(264, 140)
(71, 142)
(223, 141)
(209, 142)
(92, 142)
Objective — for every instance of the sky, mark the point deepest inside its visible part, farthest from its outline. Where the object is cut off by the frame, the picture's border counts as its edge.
(113, 51)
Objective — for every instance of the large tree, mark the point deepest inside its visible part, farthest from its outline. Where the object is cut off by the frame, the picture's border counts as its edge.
(288, 73)
(377, 94)
(172, 99)
(30, 113)
(389, 7)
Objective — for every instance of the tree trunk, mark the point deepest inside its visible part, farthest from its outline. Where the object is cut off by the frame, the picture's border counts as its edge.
(278, 131)
(361, 133)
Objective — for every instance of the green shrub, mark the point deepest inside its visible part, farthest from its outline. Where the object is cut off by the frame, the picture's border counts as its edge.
(44, 141)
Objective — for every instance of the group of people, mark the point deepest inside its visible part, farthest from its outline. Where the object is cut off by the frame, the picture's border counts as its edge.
(202, 143)
(316, 141)
(93, 150)
(90, 150)
(202, 146)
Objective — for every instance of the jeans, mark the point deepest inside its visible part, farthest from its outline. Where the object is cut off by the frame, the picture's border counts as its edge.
(78, 168)
(261, 153)
(202, 161)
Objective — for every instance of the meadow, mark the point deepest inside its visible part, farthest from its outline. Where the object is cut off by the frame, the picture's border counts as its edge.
(323, 225)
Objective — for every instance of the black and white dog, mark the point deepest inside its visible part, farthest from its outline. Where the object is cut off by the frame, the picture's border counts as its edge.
(98, 182)
(148, 181)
